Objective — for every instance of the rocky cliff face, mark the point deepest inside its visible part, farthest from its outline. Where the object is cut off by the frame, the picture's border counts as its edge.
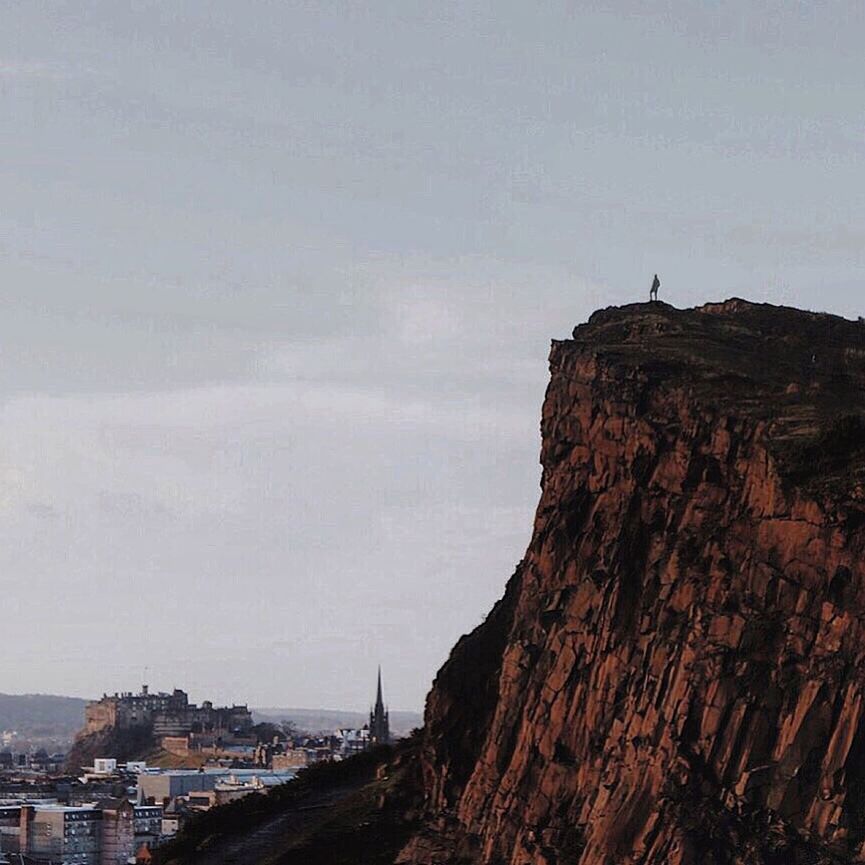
(133, 743)
(676, 673)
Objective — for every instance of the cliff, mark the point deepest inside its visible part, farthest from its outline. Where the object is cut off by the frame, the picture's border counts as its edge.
(676, 672)
(123, 744)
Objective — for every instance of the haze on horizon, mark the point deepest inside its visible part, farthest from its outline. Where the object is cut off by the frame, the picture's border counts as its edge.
(278, 282)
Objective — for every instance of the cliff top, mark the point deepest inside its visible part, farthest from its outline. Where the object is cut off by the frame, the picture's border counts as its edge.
(803, 373)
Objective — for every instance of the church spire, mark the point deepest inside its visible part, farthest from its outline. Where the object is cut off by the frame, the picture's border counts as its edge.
(379, 702)
(379, 724)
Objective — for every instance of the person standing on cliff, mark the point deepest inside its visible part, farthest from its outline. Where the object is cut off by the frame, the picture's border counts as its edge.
(653, 291)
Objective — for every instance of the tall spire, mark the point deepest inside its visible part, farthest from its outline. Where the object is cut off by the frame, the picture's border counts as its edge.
(379, 727)
(379, 702)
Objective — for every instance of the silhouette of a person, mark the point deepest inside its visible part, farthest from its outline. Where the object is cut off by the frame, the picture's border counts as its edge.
(653, 292)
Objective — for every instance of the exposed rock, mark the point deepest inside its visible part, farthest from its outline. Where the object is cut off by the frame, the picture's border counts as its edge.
(676, 672)
(134, 743)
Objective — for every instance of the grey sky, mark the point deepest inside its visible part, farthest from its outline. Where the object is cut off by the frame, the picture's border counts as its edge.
(278, 282)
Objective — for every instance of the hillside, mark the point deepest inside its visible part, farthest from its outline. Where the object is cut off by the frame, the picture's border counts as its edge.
(328, 720)
(331, 814)
(41, 716)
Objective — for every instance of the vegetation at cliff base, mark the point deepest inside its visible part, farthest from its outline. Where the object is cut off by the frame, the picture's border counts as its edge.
(322, 815)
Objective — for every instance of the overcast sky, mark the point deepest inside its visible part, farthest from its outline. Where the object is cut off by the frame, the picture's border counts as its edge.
(277, 285)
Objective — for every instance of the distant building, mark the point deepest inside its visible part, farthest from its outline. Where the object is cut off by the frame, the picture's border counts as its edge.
(118, 832)
(352, 741)
(292, 758)
(379, 725)
(54, 833)
(377, 732)
(168, 714)
(147, 821)
(108, 833)
(165, 786)
(10, 828)
(174, 816)
(104, 766)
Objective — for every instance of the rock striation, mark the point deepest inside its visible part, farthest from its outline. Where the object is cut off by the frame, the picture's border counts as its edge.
(676, 671)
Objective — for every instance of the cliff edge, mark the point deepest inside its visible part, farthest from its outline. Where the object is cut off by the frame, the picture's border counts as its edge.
(676, 672)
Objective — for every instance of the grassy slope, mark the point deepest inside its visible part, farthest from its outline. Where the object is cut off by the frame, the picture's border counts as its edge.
(367, 827)
(336, 813)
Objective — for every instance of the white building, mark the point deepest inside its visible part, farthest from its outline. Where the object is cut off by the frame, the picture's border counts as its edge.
(104, 766)
(352, 741)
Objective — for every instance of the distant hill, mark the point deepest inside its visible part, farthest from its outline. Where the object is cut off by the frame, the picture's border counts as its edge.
(319, 720)
(41, 716)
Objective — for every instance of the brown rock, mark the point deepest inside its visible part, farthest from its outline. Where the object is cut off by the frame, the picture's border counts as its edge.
(675, 673)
